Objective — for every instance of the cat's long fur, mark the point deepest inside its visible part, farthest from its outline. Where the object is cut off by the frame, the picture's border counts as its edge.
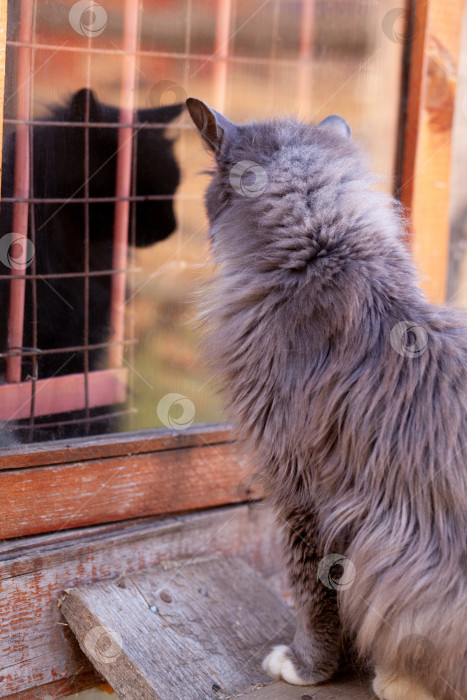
(363, 448)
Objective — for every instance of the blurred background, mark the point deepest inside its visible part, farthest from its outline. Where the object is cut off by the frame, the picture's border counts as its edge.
(251, 59)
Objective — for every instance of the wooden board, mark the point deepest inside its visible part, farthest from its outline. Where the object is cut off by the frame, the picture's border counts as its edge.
(113, 445)
(348, 689)
(38, 653)
(98, 491)
(428, 132)
(194, 629)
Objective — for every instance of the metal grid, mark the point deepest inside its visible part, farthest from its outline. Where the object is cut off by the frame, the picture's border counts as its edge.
(23, 223)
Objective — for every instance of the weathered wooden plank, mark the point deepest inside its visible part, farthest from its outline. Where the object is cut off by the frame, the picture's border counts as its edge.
(37, 650)
(427, 160)
(114, 445)
(194, 629)
(350, 689)
(65, 688)
(98, 491)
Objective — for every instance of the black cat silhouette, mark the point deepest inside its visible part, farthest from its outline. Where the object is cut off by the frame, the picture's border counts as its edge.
(58, 171)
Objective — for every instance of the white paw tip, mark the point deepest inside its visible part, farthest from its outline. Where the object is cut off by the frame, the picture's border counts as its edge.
(279, 666)
(272, 664)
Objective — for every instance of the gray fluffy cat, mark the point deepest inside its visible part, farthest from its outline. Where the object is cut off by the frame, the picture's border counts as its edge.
(349, 392)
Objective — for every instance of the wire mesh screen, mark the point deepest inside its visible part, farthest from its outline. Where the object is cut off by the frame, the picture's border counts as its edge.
(102, 221)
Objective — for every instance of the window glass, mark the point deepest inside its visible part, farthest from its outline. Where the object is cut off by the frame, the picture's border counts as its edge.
(76, 64)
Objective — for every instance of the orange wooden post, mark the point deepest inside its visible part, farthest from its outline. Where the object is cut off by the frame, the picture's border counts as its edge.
(427, 152)
(123, 183)
(221, 51)
(305, 70)
(21, 192)
(3, 9)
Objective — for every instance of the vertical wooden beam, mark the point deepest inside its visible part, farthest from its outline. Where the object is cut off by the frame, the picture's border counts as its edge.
(21, 191)
(305, 70)
(3, 16)
(427, 153)
(221, 51)
(123, 182)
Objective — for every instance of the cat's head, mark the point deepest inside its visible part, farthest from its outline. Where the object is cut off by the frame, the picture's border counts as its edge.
(293, 200)
(157, 171)
(253, 159)
(274, 174)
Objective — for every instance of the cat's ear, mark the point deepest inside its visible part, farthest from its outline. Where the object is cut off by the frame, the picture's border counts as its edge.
(336, 124)
(78, 106)
(160, 115)
(213, 126)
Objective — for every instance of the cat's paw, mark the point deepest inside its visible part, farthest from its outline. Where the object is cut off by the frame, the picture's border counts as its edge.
(279, 665)
(387, 688)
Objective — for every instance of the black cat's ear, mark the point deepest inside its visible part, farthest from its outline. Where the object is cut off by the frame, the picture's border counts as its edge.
(161, 115)
(336, 124)
(78, 106)
(213, 127)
